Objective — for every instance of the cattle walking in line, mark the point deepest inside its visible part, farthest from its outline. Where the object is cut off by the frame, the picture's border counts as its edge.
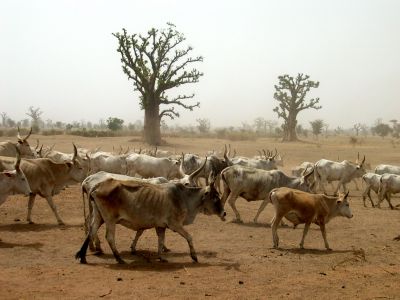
(304, 208)
(343, 172)
(139, 205)
(13, 181)
(9, 148)
(255, 184)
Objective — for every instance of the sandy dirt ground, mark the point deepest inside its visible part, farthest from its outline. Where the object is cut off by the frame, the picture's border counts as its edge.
(236, 261)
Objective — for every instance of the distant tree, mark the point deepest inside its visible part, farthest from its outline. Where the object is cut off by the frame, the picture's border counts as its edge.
(203, 125)
(11, 123)
(290, 93)
(156, 64)
(339, 130)
(395, 128)
(382, 129)
(35, 114)
(317, 126)
(357, 127)
(260, 125)
(59, 125)
(4, 118)
(114, 124)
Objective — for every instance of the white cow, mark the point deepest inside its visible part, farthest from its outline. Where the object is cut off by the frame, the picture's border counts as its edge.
(148, 166)
(13, 181)
(390, 169)
(344, 172)
(389, 184)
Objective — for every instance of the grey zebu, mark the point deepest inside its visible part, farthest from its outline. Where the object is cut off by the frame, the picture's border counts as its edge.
(48, 178)
(138, 205)
(389, 184)
(255, 184)
(13, 181)
(343, 172)
(9, 148)
(372, 182)
(390, 169)
(147, 166)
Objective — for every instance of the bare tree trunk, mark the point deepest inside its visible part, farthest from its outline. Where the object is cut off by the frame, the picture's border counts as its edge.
(152, 132)
(290, 128)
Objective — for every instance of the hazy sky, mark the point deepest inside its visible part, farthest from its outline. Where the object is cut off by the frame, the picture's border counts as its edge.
(60, 56)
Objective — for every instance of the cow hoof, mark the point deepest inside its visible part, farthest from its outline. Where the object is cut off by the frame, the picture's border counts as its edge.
(121, 261)
(238, 221)
(31, 222)
(133, 251)
(328, 249)
(163, 260)
(165, 249)
(61, 223)
(194, 257)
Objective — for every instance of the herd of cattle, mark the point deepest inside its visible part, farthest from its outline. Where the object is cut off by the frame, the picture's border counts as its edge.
(157, 189)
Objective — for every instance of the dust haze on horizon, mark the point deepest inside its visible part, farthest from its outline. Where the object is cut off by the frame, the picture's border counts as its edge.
(61, 56)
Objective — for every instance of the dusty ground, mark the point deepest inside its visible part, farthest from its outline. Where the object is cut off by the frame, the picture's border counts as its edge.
(235, 260)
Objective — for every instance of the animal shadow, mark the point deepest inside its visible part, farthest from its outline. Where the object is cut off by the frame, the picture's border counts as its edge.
(5, 245)
(25, 227)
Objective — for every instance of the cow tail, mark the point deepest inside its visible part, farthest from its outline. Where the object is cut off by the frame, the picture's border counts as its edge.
(85, 219)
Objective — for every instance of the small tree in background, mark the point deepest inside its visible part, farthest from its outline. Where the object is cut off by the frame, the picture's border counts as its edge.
(290, 93)
(203, 125)
(357, 127)
(4, 118)
(35, 114)
(317, 127)
(382, 129)
(114, 124)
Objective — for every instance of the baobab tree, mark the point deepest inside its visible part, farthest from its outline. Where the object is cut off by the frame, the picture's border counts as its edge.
(156, 63)
(35, 114)
(290, 93)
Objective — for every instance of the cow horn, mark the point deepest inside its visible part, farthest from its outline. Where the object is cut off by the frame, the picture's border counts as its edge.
(29, 134)
(37, 144)
(276, 153)
(127, 150)
(347, 194)
(259, 153)
(196, 172)
(75, 152)
(19, 134)
(227, 161)
(40, 151)
(155, 152)
(265, 154)
(234, 153)
(358, 157)
(181, 166)
(18, 161)
(229, 150)
(363, 161)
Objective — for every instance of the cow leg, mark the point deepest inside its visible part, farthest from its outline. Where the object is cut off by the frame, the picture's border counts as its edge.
(367, 192)
(30, 206)
(323, 231)
(54, 209)
(275, 223)
(261, 208)
(110, 237)
(355, 183)
(306, 227)
(337, 188)
(180, 230)
(231, 200)
(387, 197)
(94, 227)
(161, 239)
(135, 240)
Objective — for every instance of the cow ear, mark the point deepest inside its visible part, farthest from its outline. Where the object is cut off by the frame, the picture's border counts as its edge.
(69, 164)
(339, 201)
